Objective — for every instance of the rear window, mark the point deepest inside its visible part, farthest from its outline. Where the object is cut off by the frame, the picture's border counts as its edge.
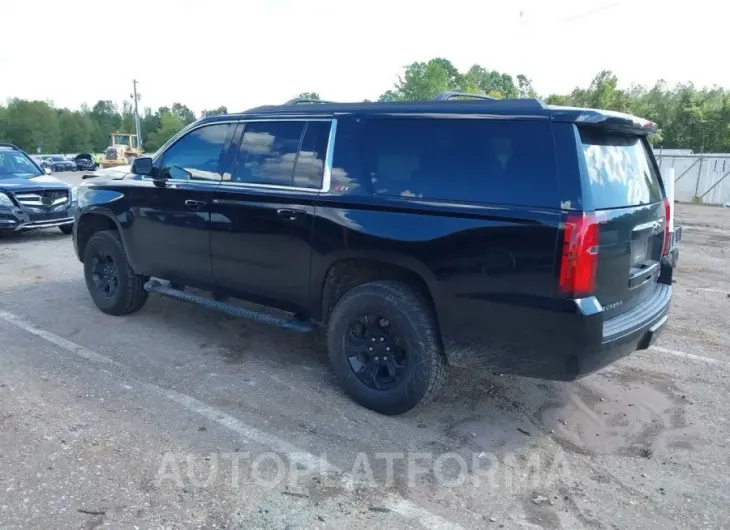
(466, 160)
(620, 172)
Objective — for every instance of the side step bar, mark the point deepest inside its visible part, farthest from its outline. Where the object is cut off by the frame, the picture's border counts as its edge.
(159, 288)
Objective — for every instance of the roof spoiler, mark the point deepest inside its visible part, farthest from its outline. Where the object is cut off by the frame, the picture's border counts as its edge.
(608, 119)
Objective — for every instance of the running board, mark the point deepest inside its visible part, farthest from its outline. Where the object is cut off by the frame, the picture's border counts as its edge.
(161, 289)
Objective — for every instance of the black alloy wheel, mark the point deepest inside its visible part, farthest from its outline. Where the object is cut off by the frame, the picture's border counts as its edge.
(384, 345)
(376, 352)
(105, 274)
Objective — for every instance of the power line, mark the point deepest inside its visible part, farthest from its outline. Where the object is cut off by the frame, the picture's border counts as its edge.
(588, 13)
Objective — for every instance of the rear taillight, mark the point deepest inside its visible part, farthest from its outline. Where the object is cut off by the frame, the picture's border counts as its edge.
(580, 255)
(667, 214)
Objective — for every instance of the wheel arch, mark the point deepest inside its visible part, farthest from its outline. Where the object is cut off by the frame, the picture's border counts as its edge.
(95, 220)
(344, 271)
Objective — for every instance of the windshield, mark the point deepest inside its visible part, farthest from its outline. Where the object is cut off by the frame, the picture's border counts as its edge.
(58, 159)
(15, 164)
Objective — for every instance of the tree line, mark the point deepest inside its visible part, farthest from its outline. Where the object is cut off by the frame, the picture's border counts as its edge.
(39, 124)
(687, 116)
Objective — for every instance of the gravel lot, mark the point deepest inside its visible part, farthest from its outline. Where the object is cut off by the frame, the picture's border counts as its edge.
(176, 417)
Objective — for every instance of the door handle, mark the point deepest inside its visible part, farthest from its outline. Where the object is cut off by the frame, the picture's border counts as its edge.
(289, 213)
(194, 205)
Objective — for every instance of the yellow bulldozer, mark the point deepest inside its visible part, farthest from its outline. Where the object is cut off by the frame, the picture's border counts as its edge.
(123, 149)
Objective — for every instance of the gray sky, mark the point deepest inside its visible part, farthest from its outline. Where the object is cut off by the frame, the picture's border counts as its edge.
(242, 53)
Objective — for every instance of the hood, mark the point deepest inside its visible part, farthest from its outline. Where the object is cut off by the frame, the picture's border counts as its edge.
(83, 157)
(114, 172)
(35, 183)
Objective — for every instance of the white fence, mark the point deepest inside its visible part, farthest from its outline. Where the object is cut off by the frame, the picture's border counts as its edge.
(698, 178)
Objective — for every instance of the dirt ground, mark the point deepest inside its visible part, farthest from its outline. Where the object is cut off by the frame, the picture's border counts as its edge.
(175, 417)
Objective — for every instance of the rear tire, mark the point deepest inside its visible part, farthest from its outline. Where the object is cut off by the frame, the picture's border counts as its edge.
(112, 284)
(403, 320)
(66, 229)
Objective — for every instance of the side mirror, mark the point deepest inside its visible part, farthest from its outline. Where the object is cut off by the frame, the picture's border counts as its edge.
(47, 171)
(142, 166)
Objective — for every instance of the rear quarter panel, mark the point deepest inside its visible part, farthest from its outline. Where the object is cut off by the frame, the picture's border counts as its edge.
(490, 269)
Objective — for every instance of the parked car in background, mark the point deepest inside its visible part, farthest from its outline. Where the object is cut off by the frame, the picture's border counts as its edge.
(31, 199)
(60, 163)
(41, 161)
(85, 162)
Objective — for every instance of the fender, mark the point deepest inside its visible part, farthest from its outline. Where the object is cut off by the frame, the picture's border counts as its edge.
(106, 202)
(322, 264)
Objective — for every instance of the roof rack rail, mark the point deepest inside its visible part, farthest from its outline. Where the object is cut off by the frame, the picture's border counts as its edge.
(445, 96)
(299, 101)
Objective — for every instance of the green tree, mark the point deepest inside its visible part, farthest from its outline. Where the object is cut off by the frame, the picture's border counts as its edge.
(32, 124)
(480, 80)
(524, 87)
(108, 120)
(149, 123)
(557, 99)
(127, 124)
(169, 126)
(309, 95)
(423, 81)
(183, 113)
(3, 124)
(215, 112)
(75, 132)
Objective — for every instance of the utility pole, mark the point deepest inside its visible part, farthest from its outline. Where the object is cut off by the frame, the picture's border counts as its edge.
(137, 124)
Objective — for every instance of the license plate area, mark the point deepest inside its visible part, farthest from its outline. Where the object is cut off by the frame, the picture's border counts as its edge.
(48, 216)
(640, 250)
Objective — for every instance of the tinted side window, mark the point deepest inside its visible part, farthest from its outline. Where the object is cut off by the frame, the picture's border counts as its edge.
(268, 152)
(310, 162)
(197, 154)
(472, 160)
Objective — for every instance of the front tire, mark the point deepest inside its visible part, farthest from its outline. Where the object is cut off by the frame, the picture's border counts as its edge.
(66, 229)
(384, 346)
(112, 284)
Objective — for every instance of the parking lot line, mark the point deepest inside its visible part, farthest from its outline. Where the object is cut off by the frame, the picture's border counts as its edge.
(692, 356)
(395, 503)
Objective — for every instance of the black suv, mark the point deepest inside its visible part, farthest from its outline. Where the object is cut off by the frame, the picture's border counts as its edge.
(519, 237)
(29, 197)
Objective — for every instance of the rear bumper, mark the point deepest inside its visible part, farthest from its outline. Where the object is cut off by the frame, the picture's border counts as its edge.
(632, 331)
(563, 342)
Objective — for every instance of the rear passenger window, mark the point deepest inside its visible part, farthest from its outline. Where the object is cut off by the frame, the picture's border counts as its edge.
(468, 160)
(268, 152)
(310, 162)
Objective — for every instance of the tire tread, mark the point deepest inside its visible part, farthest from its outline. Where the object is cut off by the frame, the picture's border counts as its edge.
(135, 295)
(421, 315)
